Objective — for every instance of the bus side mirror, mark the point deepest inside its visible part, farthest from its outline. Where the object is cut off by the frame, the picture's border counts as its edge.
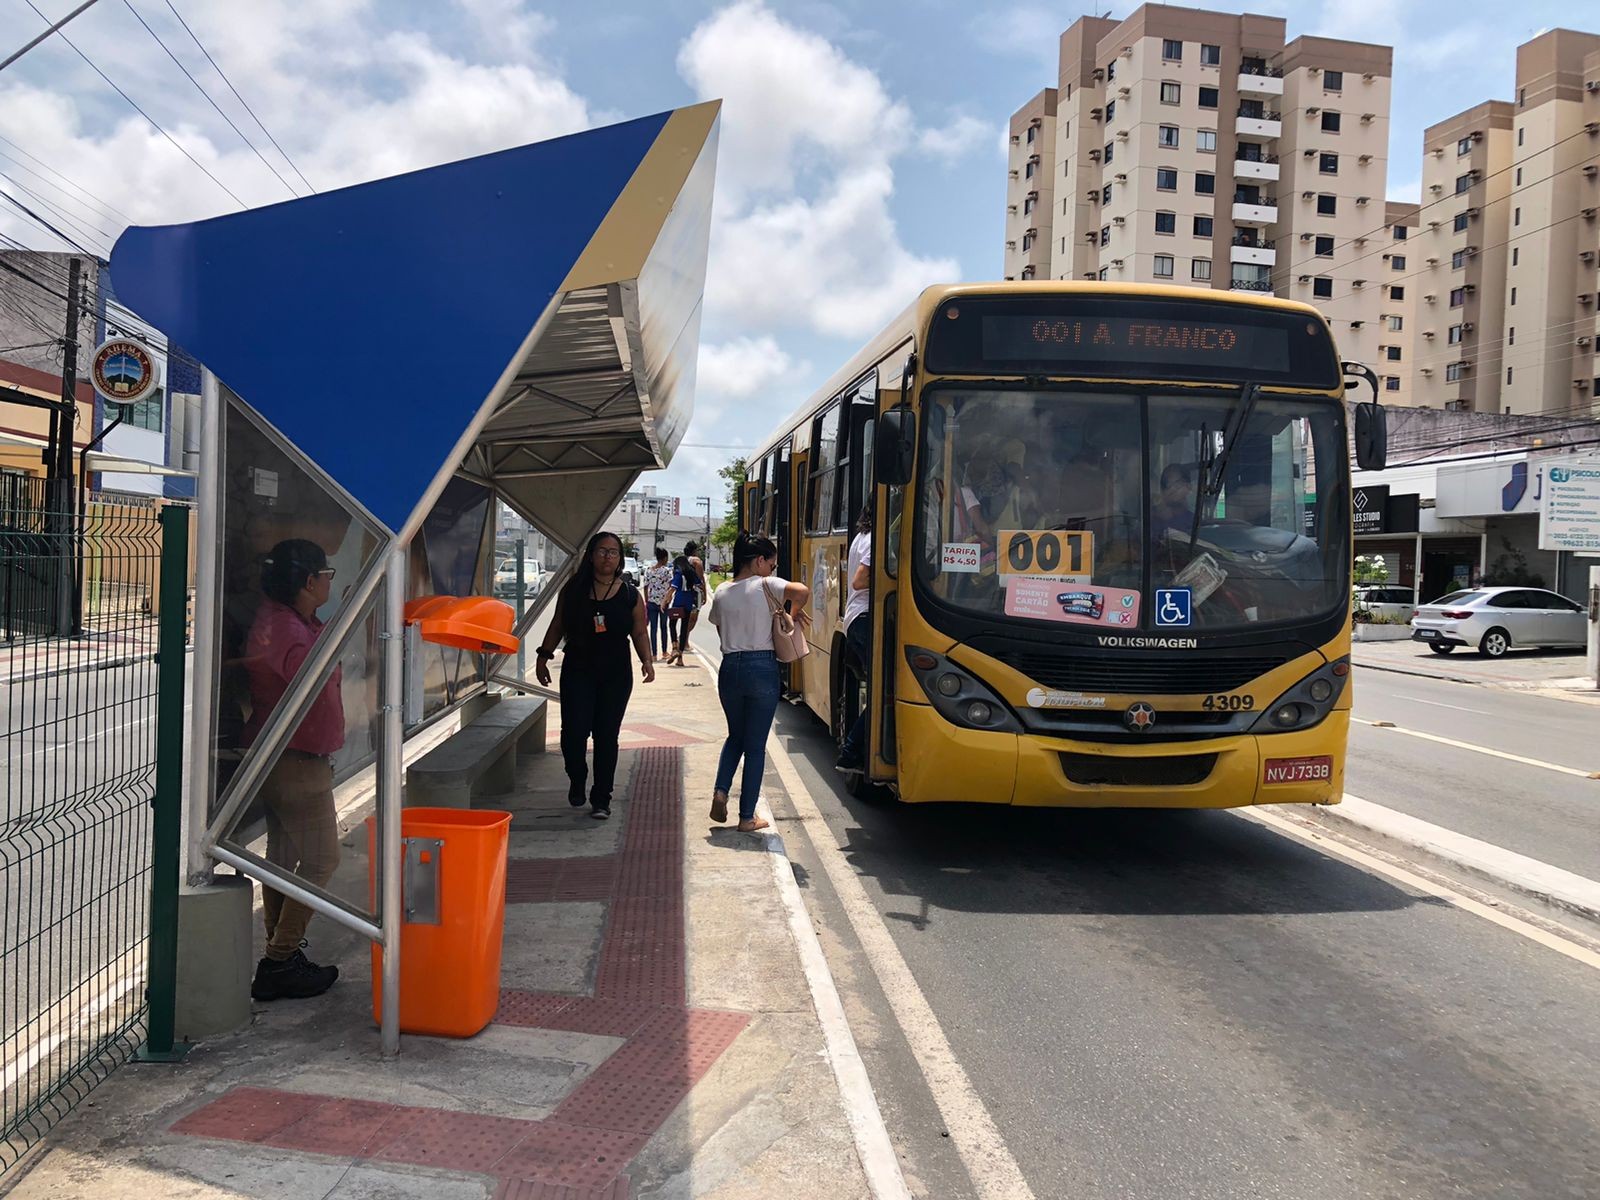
(895, 448)
(1372, 437)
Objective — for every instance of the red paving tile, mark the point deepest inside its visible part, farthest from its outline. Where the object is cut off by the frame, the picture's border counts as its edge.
(450, 1141)
(345, 1128)
(544, 880)
(636, 1105)
(528, 1189)
(573, 1155)
(595, 1014)
(531, 1008)
(249, 1114)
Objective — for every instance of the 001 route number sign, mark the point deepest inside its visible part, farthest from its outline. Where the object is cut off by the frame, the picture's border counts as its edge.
(1054, 552)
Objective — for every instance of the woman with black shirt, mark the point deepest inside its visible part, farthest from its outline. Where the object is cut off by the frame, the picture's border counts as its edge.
(598, 613)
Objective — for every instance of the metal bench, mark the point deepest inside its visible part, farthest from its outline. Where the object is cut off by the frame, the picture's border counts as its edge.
(479, 759)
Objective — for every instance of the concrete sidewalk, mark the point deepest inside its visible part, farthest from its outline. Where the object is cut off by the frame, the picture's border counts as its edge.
(1550, 672)
(656, 1034)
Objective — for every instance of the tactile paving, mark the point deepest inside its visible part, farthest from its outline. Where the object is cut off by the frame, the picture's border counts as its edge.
(249, 1114)
(596, 1014)
(531, 1009)
(573, 1155)
(451, 1141)
(346, 1128)
(545, 880)
(637, 1105)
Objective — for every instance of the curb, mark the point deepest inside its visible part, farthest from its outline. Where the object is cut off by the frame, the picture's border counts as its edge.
(1564, 892)
(1418, 674)
(106, 664)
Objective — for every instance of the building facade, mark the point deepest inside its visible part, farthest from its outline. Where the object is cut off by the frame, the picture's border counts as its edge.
(1202, 148)
(1397, 326)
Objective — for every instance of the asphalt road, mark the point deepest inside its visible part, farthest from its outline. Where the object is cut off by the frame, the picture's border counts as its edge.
(1548, 815)
(1192, 1004)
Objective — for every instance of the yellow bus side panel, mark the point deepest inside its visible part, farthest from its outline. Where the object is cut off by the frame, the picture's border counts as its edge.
(941, 763)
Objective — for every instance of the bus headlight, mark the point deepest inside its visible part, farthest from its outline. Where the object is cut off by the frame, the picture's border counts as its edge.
(1307, 702)
(959, 696)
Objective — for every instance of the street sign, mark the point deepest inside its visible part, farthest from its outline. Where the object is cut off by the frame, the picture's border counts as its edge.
(1569, 518)
(123, 372)
(1368, 506)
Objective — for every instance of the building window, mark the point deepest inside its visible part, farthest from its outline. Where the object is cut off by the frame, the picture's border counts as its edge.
(1109, 148)
(1391, 383)
(1111, 111)
(1028, 170)
(1322, 287)
(1324, 245)
(1027, 271)
(1210, 56)
(1459, 225)
(1464, 146)
(1166, 179)
(1519, 176)
(1171, 51)
(1327, 206)
(148, 413)
(1458, 260)
(1163, 266)
(1027, 205)
(1111, 70)
(1102, 275)
(1522, 97)
(1397, 293)
(1200, 269)
(1208, 97)
(1170, 92)
(1516, 216)
(1205, 140)
(1392, 353)
(1508, 375)
(1027, 240)
(1105, 235)
(1063, 243)
(1033, 132)
(1333, 81)
(1513, 295)
(1515, 253)
(1203, 227)
(1401, 233)
(1330, 122)
(1167, 136)
(1520, 132)
(1066, 130)
(1463, 182)
(1454, 372)
(1397, 262)
(1458, 297)
(1328, 164)
(1511, 336)
(1205, 183)
(1105, 194)
(1454, 335)
(1166, 222)
(1396, 323)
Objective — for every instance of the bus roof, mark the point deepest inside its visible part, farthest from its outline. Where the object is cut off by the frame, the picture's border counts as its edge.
(917, 314)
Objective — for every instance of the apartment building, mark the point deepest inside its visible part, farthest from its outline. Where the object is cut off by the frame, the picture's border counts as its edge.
(1397, 326)
(1030, 188)
(1202, 148)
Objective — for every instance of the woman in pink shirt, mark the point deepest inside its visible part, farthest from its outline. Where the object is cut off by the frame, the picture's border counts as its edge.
(302, 824)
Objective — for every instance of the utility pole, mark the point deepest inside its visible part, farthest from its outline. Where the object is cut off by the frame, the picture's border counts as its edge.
(61, 445)
(705, 546)
(11, 58)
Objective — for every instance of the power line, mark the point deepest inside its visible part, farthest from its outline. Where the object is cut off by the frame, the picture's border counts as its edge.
(54, 28)
(28, 212)
(129, 5)
(238, 97)
(139, 110)
(83, 227)
(18, 166)
(107, 208)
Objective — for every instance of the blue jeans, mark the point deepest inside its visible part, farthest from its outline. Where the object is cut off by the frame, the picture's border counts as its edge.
(658, 629)
(858, 641)
(749, 689)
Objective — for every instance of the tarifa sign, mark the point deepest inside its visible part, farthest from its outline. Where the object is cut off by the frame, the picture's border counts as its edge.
(123, 372)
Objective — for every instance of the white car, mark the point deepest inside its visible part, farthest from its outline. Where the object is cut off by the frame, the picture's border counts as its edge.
(1384, 603)
(632, 570)
(505, 579)
(1497, 619)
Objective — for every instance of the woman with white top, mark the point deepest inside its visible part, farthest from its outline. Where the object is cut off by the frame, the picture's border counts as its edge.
(748, 683)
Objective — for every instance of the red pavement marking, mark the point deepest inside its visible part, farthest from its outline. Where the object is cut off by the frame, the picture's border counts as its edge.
(580, 1151)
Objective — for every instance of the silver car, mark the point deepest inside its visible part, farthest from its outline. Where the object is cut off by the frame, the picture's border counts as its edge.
(1394, 604)
(1497, 619)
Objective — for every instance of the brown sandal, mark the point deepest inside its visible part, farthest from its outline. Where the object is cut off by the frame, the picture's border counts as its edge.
(719, 807)
(753, 824)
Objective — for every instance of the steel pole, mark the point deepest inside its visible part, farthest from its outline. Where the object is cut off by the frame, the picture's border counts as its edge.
(522, 605)
(197, 867)
(1594, 625)
(390, 767)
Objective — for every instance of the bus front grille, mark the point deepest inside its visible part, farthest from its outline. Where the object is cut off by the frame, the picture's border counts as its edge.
(1134, 675)
(1096, 770)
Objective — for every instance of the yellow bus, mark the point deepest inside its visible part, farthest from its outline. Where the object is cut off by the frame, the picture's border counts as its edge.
(1111, 545)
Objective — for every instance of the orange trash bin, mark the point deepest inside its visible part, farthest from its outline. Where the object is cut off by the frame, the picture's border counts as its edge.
(453, 885)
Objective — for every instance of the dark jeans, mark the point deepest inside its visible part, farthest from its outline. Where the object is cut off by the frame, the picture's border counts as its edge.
(658, 629)
(748, 686)
(858, 643)
(593, 698)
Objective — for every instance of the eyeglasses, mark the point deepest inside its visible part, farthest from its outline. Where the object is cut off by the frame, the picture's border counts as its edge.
(325, 573)
(608, 552)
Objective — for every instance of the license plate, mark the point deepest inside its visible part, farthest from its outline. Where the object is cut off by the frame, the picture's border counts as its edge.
(1298, 770)
(1427, 633)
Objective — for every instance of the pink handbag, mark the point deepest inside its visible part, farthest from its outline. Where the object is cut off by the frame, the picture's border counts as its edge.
(788, 639)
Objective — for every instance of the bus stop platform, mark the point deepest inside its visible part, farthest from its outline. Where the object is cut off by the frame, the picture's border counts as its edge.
(657, 1035)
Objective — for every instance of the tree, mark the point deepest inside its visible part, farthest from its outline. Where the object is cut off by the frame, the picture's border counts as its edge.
(734, 476)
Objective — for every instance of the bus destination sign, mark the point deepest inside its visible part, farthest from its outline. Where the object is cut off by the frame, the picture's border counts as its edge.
(1121, 340)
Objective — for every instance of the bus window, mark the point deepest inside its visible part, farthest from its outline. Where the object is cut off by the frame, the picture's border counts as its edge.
(824, 470)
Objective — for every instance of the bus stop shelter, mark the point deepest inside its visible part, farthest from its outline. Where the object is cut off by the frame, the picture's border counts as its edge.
(384, 363)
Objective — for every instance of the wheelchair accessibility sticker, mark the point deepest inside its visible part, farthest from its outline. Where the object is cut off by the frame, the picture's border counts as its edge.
(1173, 607)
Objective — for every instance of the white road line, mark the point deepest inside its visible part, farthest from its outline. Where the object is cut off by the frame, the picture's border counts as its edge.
(1482, 712)
(1509, 757)
(1376, 866)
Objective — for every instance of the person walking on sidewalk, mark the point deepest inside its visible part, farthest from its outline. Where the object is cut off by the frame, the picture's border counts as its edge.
(858, 639)
(657, 590)
(598, 613)
(748, 683)
(688, 591)
(297, 795)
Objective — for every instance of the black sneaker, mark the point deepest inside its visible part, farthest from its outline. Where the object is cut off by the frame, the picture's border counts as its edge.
(575, 795)
(295, 978)
(850, 766)
(601, 812)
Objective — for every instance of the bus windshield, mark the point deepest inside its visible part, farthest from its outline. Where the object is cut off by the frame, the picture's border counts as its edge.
(1077, 506)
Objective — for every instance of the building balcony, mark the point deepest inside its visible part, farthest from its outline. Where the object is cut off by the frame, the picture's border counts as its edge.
(1256, 214)
(1261, 253)
(1250, 285)
(1258, 123)
(1253, 84)
(1248, 168)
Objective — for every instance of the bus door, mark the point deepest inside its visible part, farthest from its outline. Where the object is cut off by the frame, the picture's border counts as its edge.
(779, 498)
(887, 538)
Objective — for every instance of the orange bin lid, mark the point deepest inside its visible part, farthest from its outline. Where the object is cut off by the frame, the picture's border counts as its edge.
(478, 623)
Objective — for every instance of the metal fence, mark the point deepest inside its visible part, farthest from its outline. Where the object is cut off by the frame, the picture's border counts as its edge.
(78, 709)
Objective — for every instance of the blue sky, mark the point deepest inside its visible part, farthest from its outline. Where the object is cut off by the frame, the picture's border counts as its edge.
(861, 148)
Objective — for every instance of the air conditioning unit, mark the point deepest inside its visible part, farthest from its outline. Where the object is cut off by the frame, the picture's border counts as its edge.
(1591, 171)
(1589, 213)
(1469, 288)
(1427, 370)
(1313, 70)
(1097, 113)
(1093, 154)
(1586, 255)
(1585, 298)
(1312, 110)
(1477, 135)
(1122, 135)
(1472, 213)
(1305, 237)
(1308, 153)
(1470, 251)
(1098, 74)
(1363, 159)
(1356, 324)
(1361, 200)
(1120, 178)
(1124, 91)
(1360, 241)
(1467, 327)
(1436, 187)
(1117, 263)
(1368, 77)
(1368, 118)
(1015, 139)
(1432, 262)
(1014, 173)
(1592, 127)
(1430, 297)
(1012, 209)
(1387, 257)
(1428, 333)
(1119, 220)
(1438, 151)
(1584, 341)
(1591, 85)
(1307, 195)
(1011, 244)
(1433, 226)
(1091, 236)
(1305, 279)
(1580, 384)
(1127, 52)
(1357, 283)
(1093, 195)
(1088, 274)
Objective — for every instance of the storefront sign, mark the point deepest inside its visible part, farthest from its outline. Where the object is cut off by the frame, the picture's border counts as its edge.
(123, 371)
(1569, 518)
(1368, 506)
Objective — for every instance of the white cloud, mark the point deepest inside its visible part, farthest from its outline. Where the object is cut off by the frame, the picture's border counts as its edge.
(742, 367)
(959, 138)
(1028, 31)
